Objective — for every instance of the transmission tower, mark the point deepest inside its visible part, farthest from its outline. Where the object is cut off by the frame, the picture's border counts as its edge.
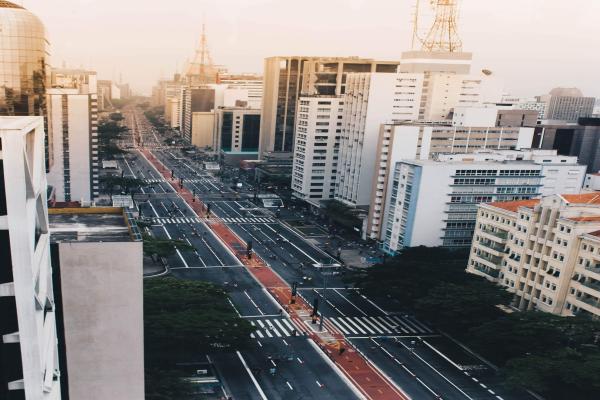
(443, 35)
(201, 69)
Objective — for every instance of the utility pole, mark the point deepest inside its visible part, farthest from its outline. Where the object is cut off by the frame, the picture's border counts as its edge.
(324, 298)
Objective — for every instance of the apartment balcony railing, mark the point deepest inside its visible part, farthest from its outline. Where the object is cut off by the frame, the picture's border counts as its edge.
(499, 235)
(488, 271)
(489, 258)
(592, 301)
(493, 246)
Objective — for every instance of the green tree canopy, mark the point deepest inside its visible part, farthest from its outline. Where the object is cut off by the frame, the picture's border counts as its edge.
(116, 116)
(154, 247)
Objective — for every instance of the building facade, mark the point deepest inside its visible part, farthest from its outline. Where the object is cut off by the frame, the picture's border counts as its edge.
(418, 141)
(570, 108)
(238, 130)
(316, 152)
(287, 78)
(29, 366)
(546, 252)
(434, 203)
(72, 104)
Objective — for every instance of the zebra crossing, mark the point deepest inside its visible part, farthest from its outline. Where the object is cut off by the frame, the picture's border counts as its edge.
(248, 220)
(178, 220)
(269, 328)
(382, 325)
(154, 180)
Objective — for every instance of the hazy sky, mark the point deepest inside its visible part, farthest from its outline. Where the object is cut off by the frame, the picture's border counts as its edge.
(533, 45)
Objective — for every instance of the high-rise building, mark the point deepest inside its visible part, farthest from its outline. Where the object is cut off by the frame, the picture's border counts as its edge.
(97, 258)
(23, 65)
(422, 141)
(434, 202)
(568, 104)
(318, 132)
(238, 131)
(29, 366)
(544, 251)
(242, 90)
(73, 122)
(287, 78)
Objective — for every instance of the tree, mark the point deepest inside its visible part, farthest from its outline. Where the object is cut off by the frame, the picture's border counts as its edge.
(520, 333)
(116, 116)
(183, 321)
(156, 248)
(457, 307)
(126, 184)
(342, 215)
(561, 374)
(109, 151)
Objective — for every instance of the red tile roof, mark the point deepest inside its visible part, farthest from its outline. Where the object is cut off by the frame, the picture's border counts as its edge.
(590, 218)
(595, 233)
(584, 198)
(515, 205)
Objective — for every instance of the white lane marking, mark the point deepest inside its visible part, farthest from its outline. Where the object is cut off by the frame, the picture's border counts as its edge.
(254, 304)
(293, 245)
(379, 324)
(260, 391)
(360, 321)
(400, 321)
(384, 321)
(272, 328)
(290, 386)
(342, 321)
(433, 368)
(374, 305)
(285, 321)
(284, 342)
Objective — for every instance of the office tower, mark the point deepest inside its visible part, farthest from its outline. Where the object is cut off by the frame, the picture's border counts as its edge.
(243, 87)
(238, 131)
(73, 122)
(287, 78)
(568, 104)
(434, 202)
(28, 345)
(580, 139)
(97, 257)
(544, 251)
(318, 132)
(107, 91)
(23, 65)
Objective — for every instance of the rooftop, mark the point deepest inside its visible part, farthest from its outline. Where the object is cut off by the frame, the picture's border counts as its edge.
(95, 224)
(515, 205)
(584, 198)
(8, 4)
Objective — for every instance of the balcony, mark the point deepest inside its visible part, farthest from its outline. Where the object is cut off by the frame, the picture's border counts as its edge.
(487, 271)
(496, 234)
(493, 246)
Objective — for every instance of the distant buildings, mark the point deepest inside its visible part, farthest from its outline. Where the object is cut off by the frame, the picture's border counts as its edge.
(433, 202)
(29, 366)
(568, 104)
(97, 258)
(546, 252)
(288, 78)
(72, 105)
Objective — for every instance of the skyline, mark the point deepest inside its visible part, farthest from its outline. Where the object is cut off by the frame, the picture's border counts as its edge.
(240, 37)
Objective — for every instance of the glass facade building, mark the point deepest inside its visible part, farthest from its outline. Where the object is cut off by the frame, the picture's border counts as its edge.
(23, 69)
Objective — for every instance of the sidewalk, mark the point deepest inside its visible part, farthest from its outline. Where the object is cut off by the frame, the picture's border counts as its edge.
(366, 378)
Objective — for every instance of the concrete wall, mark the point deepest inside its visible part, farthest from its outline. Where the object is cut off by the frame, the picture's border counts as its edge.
(203, 129)
(102, 294)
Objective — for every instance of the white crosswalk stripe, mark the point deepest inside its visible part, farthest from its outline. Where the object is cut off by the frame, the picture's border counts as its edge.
(248, 220)
(383, 325)
(273, 328)
(187, 220)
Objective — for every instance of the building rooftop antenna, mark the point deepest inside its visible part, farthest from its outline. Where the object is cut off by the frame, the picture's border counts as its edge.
(443, 35)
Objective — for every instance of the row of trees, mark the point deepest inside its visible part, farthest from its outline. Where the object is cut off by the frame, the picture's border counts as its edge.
(557, 357)
(183, 321)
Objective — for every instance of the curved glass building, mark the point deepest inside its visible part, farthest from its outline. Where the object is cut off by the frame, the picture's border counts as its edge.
(23, 54)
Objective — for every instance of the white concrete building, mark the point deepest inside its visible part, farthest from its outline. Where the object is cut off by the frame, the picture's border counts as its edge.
(433, 203)
(73, 123)
(318, 132)
(242, 90)
(546, 252)
(419, 141)
(29, 366)
(237, 130)
(98, 263)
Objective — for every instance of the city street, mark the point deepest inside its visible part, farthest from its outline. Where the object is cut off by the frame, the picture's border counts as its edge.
(396, 345)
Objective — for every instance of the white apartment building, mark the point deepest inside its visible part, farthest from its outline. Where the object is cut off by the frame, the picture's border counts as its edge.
(546, 252)
(73, 124)
(370, 100)
(316, 152)
(434, 202)
(422, 141)
(29, 366)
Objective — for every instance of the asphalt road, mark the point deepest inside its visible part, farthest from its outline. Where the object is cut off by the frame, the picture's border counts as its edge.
(400, 346)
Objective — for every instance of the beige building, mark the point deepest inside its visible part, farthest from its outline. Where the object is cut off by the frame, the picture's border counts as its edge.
(546, 252)
(98, 286)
